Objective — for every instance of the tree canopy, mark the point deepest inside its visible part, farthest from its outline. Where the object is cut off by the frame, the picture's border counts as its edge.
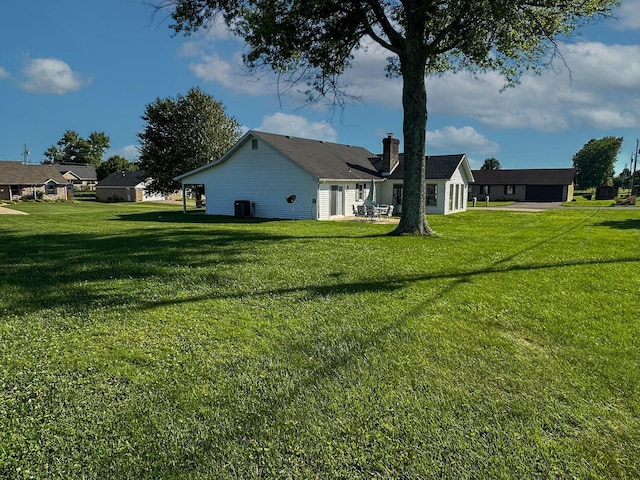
(491, 164)
(72, 148)
(314, 41)
(181, 134)
(595, 160)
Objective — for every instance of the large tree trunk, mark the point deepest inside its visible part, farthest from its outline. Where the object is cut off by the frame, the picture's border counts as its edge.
(414, 102)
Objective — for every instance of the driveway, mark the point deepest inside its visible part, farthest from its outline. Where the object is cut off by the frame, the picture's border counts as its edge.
(8, 211)
(524, 207)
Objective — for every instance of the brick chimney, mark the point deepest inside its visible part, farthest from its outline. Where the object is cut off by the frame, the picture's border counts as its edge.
(390, 154)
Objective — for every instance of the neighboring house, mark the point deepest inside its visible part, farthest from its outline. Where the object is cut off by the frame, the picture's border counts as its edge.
(524, 185)
(262, 170)
(20, 182)
(125, 187)
(82, 177)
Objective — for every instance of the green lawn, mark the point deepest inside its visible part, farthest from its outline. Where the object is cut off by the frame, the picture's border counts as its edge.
(137, 342)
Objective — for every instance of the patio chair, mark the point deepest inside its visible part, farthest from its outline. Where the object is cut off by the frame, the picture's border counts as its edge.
(390, 211)
(370, 211)
(361, 211)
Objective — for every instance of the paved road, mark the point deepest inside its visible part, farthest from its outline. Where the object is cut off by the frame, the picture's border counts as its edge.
(523, 207)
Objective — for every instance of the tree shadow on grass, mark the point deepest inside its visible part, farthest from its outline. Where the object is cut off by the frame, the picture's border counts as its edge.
(60, 270)
(50, 270)
(386, 286)
(197, 218)
(171, 216)
(70, 270)
(263, 389)
(628, 224)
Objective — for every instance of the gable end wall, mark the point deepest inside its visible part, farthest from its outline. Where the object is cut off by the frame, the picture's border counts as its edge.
(264, 177)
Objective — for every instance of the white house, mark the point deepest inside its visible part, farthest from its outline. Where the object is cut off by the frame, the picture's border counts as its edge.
(262, 170)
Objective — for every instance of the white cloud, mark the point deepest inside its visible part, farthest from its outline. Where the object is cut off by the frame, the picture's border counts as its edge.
(3, 73)
(627, 15)
(230, 74)
(130, 152)
(296, 126)
(191, 49)
(367, 77)
(604, 118)
(600, 91)
(460, 140)
(596, 65)
(217, 29)
(50, 75)
(603, 81)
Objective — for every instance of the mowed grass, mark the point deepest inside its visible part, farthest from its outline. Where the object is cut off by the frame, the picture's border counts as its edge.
(138, 342)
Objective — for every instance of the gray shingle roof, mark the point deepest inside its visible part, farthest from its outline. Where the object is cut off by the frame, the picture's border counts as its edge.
(81, 172)
(334, 161)
(540, 176)
(123, 179)
(17, 173)
(439, 167)
(323, 159)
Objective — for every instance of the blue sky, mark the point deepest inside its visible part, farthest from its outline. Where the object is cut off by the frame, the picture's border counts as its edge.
(88, 65)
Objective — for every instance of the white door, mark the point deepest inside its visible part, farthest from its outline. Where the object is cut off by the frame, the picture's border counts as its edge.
(336, 200)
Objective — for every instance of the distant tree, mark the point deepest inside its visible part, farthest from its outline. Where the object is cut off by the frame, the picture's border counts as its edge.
(52, 155)
(622, 180)
(72, 148)
(490, 164)
(181, 134)
(98, 144)
(312, 42)
(115, 163)
(594, 162)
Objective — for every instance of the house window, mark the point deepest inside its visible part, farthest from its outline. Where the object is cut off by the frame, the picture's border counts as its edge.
(397, 194)
(254, 144)
(462, 196)
(360, 191)
(451, 192)
(509, 189)
(432, 194)
(50, 188)
(457, 197)
(485, 189)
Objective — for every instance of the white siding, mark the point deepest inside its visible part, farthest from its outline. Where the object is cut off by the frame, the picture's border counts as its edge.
(460, 194)
(261, 176)
(348, 195)
(442, 199)
(384, 191)
(147, 196)
(324, 200)
(324, 192)
(459, 177)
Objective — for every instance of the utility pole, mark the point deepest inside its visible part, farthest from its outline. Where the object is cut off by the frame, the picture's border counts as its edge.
(25, 155)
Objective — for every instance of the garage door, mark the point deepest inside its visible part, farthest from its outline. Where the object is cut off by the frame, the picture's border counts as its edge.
(544, 193)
